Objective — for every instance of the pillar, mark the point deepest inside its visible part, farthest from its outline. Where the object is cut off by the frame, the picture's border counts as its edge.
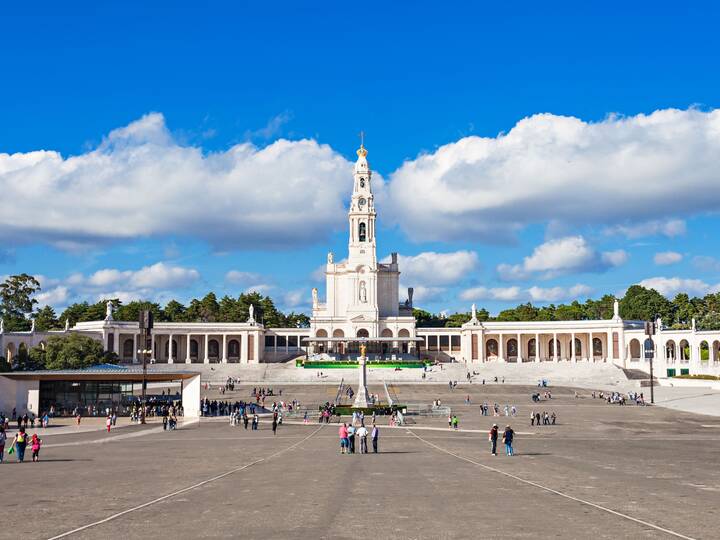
(537, 347)
(116, 342)
(187, 349)
(610, 353)
(224, 351)
(244, 348)
(555, 347)
(590, 355)
(135, 349)
(481, 339)
(153, 339)
(572, 347)
(171, 353)
(520, 348)
(207, 358)
(501, 348)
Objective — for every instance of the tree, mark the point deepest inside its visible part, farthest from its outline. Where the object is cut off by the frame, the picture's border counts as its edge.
(205, 310)
(297, 320)
(74, 313)
(17, 302)
(175, 312)
(45, 319)
(74, 351)
(643, 304)
(456, 320)
(131, 311)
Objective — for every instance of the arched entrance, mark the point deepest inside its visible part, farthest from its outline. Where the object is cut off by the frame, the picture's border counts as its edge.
(491, 348)
(704, 352)
(554, 345)
(531, 349)
(234, 350)
(512, 350)
(404, 345)
(634, 350)
(670, 353)
(684, 351)
(597, 348)
(339, 346)
(385, 346)
(320, 346)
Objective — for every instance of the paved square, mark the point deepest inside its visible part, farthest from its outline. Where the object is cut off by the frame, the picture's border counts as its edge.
(603, 471)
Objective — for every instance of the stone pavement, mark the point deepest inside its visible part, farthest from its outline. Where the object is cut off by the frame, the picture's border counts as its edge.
(603, 471)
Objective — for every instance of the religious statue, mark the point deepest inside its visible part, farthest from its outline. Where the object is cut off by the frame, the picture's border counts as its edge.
(363, 292)
(109, 311)
(2, 326)
(616, 309)
(32, 326)
(474, 313)
(67, 324)
(251, 314)
(331, 258)
(314, 298)
(363, 349)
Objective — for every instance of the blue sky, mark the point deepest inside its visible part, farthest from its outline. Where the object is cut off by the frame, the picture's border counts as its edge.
(539, 152)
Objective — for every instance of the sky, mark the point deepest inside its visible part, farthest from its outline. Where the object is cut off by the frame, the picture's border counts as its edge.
(540, 152)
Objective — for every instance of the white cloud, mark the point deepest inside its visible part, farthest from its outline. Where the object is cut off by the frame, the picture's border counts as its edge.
(423, 294)
(562, 256)
(262, 288)
(706, 263)
(237, 277)
(669, 287)
(142, 182)
(555, 294)
(496, 293)
(156, 276)
(620, 171)
(431, 268)
(663, 258)
(296, 298)
(57, 296)
(534, 294)
(670, 228)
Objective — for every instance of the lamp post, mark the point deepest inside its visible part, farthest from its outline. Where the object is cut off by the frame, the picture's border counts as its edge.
(144, 353)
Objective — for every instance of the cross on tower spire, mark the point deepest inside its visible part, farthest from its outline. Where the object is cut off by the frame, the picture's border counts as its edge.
(362, 139)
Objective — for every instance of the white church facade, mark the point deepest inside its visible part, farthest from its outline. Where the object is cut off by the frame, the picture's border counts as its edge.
(362, 304)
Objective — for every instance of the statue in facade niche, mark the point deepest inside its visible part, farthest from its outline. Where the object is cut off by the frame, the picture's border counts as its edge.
(363, 292)
(331, 257)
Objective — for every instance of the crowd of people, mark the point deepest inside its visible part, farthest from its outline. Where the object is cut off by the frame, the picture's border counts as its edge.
(542, 418)
(348, 433)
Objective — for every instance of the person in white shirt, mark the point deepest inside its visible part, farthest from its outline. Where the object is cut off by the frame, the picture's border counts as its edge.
(362, 432)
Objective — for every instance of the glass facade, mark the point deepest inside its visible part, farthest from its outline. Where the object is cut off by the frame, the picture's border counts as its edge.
(93, 398)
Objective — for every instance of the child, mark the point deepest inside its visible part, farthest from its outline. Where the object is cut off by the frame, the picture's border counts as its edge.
(35, 447)
(108, 423)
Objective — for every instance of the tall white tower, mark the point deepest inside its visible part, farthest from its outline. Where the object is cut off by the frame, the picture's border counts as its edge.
(361, 217)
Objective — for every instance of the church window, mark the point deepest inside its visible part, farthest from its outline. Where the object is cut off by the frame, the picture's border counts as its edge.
(363, 232)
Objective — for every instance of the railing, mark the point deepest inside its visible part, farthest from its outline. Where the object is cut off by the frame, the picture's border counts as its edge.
(422, 409)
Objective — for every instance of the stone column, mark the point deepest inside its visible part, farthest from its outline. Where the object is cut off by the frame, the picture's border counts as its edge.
(555, 347)
(135, 349)
(610, 353)
(153, 338)
(207, 357)
(116, 341)
(572, 347)
(171, 352)
(224, 352)
(501, 348)
(361, 398)
(244, 348)
(481, 341)
(537, 347)
(188, 360)
(520, 348)
(590, 355)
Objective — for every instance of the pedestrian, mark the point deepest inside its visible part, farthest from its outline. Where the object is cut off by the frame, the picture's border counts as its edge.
(35, 447)
(78, 417)
(532, 418)
(342, 432)
(108, 423)
(374, 436)
(508, 437)
(19, 443)
(3, 438)
(450, 418)
(245, 420)
(362, 432)
(351, 439)
(455, 422)
(493, 437)
(275, 424)
(553, 416)
(255, 422)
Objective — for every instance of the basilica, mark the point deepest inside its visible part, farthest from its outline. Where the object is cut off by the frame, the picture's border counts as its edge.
(362, 304)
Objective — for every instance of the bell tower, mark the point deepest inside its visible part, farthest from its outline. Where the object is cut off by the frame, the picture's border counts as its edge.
(361, 217)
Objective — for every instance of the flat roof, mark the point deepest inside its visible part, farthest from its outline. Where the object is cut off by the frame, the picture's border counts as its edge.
(103, 372)
(359, 339)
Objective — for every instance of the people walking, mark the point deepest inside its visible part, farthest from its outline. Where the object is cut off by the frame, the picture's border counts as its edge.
(108, 423)
(19, 443)
(275, 424)
(493, 437)
(245, 420)
(508, 437)
(3, 438)
(343, 434)
(35, 447)
(455, 421)
(375, 435)
(351, 439)
(362, 433)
